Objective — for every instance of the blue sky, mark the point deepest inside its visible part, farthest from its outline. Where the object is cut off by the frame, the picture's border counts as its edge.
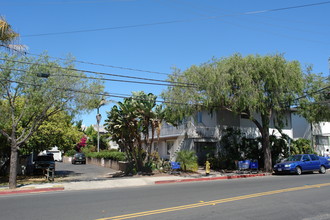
(157, 35)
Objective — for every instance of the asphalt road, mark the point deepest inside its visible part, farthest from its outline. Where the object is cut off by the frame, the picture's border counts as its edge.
(81, 172)
(274, 197)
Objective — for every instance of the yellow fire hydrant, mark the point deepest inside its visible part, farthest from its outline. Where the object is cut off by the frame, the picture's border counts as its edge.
(207, 168)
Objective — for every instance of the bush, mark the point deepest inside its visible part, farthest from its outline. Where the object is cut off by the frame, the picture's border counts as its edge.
(188, 160)
(70, 153)
(302, 146)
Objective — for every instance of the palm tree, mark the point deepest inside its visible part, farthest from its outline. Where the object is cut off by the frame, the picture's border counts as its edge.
(8, 36)
(188, 160)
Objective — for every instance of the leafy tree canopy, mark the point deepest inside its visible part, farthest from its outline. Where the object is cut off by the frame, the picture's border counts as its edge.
(129, 122)
(315, 104)
(56, 131)
(27, 100)
(266, 85)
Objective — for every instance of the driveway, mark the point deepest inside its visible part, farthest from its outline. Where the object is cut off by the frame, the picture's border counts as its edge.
(81, 172)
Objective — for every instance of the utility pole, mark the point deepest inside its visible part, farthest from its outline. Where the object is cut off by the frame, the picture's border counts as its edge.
(98, 120)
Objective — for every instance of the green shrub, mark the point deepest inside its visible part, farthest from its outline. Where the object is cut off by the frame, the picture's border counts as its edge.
(302, 146)
(188, 160)
(70, 153)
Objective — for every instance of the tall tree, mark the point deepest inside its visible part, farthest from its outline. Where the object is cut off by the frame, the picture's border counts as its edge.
(129, 124)
(26, 100)
(58, 131)
(314, 105)
(266, 85)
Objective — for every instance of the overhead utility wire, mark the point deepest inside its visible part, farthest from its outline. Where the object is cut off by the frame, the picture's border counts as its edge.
(91, 93)
(261, 22)
(177, 21)
(91, 63)
(104, 79)
(100, 73)
(311, 93)
(106, 65)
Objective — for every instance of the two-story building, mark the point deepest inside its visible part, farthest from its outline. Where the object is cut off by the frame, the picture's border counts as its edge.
(205, 129)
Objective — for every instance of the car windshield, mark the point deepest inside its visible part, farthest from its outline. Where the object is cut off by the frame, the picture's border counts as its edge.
(294, 158)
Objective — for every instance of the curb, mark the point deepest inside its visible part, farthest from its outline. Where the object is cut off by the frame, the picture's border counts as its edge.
(20, 191)
(211, 178)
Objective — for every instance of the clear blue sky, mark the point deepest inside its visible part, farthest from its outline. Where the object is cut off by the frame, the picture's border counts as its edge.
(156, 35)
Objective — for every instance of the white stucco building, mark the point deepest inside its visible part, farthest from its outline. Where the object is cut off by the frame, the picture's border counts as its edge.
(205, 129)
(318, 133)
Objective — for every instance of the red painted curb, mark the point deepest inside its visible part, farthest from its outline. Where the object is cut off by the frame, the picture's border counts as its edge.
(211, 178)
(18, 191)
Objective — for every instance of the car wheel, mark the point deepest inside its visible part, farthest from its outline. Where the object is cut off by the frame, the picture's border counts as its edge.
(322, 170)
(298, 171)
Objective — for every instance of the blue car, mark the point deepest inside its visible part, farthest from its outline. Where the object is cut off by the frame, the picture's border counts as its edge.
(302, 163)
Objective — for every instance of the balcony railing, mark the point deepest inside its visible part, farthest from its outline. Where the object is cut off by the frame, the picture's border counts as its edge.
(190, 130)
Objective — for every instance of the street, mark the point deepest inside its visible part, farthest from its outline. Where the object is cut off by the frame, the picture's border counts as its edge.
(273, 197)
(81, 172)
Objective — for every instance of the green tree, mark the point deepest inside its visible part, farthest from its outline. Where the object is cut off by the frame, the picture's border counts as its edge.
(56, 131)
(92, 139)
(149, 116)
(129, 122)
(266, 85)
(314, 105)
(121, 123)
(26, 100)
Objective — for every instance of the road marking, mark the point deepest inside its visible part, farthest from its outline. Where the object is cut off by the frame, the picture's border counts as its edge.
(211, 203)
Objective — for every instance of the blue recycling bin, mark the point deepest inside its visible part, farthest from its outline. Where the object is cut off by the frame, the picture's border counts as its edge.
(254, 165)
(244, 165)
(175, 165)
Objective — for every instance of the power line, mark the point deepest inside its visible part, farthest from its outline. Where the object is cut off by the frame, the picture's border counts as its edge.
(103, 79)
(100, 73)
(272, 32)
(91, 63)
(177, 21)
(91, 93)
(106, 65)
(315, 92)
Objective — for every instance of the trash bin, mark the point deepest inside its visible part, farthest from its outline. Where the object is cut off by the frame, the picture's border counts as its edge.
(254, 166)
(244, 165)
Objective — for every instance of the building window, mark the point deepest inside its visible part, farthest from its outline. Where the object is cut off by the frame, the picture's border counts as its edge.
(169, 145)
(199, 117)
(322, 140)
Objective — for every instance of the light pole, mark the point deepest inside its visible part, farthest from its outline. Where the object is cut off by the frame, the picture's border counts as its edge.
(98, 119)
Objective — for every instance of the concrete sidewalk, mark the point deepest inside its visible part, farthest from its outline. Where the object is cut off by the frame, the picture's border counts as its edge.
(124, 182)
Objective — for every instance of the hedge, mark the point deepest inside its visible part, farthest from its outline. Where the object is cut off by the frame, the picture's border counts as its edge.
(112, 155)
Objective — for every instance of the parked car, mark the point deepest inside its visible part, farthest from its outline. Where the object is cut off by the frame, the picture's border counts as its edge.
(79, 158)
(302, 163)
(44, 161)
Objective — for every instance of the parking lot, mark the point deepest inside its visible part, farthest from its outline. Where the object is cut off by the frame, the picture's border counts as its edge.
(81, 172)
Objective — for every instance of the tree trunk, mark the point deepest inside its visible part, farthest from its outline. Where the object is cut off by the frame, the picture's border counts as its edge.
(13, 166)
(265, 143)
(267, 151)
